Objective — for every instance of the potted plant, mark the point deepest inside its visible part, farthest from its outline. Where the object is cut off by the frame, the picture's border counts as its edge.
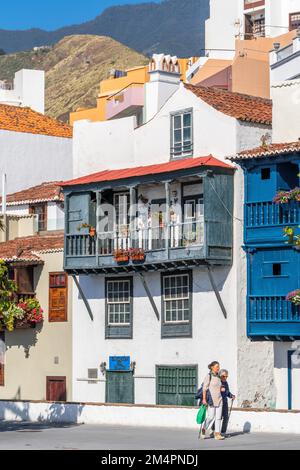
(33, 314)
(137, 254)
(121, 256)
(92, 230)
(294, 297)
(285, 197)
(292, 238)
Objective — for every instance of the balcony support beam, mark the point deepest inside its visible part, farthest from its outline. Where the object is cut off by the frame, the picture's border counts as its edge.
(216, 290)
(148, 292)
(85, 300)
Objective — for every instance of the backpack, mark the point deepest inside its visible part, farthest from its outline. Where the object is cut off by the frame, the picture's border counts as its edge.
(199, 395)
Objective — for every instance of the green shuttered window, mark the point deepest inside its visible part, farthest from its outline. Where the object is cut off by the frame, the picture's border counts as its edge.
(176, 385)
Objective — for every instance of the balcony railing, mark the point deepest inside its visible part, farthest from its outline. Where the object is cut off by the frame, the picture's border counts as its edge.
(273, 309)
(267, 214)
(273, 316)
(183, 235)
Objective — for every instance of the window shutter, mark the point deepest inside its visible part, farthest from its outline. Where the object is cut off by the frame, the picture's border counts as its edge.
(58, 298)
(25, 280)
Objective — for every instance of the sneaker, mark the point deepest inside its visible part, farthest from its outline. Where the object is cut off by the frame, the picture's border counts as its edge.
(203, 434)
(219, 437)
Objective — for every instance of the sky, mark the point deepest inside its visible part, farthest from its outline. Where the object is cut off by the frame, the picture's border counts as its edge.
(52, 14)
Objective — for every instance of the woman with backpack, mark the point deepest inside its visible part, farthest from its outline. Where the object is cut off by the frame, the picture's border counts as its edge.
(212, 398)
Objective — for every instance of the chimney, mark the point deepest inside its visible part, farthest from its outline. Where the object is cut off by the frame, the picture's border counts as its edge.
(29, 88)
(165, 75)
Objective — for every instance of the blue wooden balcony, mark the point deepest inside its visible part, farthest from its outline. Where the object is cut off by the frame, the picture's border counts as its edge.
(273, 317)
(265, 221)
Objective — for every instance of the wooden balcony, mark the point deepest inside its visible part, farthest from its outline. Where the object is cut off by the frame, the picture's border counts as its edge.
(265, 221)
(176, 245)
(271, 317)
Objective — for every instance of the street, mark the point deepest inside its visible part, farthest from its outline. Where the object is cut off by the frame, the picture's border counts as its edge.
(27, 436)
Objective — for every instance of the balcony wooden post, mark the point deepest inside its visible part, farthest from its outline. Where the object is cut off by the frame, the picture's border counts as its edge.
(167, 232)
(98, 204)
(132, 214)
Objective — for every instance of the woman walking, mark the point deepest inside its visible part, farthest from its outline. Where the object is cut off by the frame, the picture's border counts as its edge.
(212, 398)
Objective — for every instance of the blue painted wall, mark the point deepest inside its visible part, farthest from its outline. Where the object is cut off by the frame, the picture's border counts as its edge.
(273, 267)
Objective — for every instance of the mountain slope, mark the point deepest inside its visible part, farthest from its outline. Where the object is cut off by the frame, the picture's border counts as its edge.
(172, 26)
(74, 68)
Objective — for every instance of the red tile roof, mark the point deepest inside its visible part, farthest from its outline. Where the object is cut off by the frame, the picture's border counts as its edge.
(268, 151)
(17, 119)
(111, 175)
(27, 249)
(243, 107)
(45, 192)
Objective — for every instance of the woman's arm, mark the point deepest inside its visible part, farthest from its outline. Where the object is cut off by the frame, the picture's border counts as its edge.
(206, 384)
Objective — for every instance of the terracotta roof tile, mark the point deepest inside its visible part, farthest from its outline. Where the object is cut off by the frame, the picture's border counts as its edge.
(242, 107)
(45, 192)
(28, 248)
(17, 119)
(268, 151)
(175, 165)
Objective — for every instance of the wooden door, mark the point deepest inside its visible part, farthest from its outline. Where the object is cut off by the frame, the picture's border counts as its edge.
(119, 387)
(56, 389)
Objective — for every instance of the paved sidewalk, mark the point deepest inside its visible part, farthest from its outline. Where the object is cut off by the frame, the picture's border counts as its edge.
(20, 436)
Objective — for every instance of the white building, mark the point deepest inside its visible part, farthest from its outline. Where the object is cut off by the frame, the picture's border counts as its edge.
(27, 90)
(163, 319)
(246, 19)
(33, 148)
(285, 61)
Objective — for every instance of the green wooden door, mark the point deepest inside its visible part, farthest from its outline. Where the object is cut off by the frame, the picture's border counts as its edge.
(119, 387)
(176, 385)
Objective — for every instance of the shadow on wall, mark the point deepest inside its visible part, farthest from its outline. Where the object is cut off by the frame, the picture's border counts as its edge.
(93, 286)
(54, 415)
(25, 339)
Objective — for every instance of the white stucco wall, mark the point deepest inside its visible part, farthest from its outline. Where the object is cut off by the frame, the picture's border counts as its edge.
(117, 144)
(30, 159)
(277, 15)
(213, 336)
(55, 216)
(286, 102)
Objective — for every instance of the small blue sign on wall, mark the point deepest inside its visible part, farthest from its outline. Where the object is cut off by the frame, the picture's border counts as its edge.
(119, 363)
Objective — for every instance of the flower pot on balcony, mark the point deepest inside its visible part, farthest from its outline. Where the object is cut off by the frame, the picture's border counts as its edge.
(122, 259)
(24, 325)
(92, 232)
(121, 256)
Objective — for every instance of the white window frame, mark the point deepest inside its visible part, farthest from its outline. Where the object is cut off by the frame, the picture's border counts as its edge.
(124, 302)
(180, 298)
(181, 153)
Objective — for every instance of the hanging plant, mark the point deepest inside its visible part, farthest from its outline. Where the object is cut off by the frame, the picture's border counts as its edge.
(284, 197)
(294, 297)
(292, 238)
(12, 314)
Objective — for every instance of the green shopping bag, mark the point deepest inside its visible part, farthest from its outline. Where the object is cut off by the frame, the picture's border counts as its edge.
(201, 416)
